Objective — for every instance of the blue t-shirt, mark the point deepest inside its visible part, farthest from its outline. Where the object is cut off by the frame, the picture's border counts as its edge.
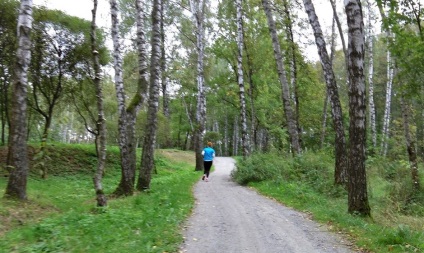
(208, 154)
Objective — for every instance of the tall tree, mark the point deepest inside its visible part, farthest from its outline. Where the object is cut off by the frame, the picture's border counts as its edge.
(147, 156)
(292, 58)
(370, 50)
(101, 122)
(357, 186)
(126, 185)
(16, 185)
(288, 111)
(198, 8)
(340, 175)
(390, 76)
(245, 139)
(128, 113)
(339, 28)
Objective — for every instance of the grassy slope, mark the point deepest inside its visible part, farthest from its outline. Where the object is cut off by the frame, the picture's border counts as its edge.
(61, 215)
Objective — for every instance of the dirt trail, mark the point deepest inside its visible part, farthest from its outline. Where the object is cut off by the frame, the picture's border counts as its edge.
(229, 218)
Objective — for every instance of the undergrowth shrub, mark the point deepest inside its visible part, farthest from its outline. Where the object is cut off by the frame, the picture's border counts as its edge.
(313, 169)
(259, 167)
(397, 190)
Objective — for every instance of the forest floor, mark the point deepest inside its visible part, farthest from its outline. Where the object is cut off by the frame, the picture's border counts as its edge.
(231, 218)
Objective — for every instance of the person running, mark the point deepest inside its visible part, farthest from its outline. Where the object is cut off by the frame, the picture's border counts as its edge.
(208, 154)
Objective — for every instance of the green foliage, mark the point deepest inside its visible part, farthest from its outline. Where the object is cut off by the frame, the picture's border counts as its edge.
(260, 167)
(213, 137)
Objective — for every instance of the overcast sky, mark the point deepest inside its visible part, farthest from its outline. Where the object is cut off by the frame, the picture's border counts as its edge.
(79, 8)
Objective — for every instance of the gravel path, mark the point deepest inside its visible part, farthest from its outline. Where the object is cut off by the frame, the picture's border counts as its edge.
(229, 218)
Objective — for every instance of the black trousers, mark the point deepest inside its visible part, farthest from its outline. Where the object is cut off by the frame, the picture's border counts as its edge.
(207, 166)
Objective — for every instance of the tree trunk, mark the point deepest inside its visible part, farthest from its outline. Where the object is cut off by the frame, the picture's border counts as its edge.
(165, 95)
(357, 190)
(290, 117)
(198, 12)
(387, 109)
(147, 158)
(420, 129)
(410, 145)
(253, 128)
(101, 122)
(340, 174)
(327, 95)
(293, 66)
(245, 139)
(4, 109)
(370, 47)
(43, 146)
(126, 185)
(390, 69)
(16, 185)
(341, 33)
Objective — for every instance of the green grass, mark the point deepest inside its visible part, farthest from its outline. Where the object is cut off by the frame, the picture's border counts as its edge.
(63, 216)
(305, 183)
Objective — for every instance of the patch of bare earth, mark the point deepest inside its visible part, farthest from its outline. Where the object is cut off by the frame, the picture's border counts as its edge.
(178, 155)
(14, 213)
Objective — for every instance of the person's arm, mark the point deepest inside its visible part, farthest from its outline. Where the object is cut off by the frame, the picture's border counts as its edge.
(203, 152)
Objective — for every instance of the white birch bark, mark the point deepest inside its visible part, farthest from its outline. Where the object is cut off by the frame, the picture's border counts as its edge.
(339, 27)
(370, 47)
(143, 83)
(289, 114)
(340, 175)
(327, 96)
(101, 122)
(126, 186)
(245, 139)
(147, 159)
(387, 107)
(18, 158)
(198, 11)
(357, 186)
(390, 74)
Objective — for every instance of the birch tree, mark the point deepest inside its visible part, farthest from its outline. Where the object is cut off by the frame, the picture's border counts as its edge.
(245, 139)
(370, 50)
(340, 175)
(288, 111)
(147, 159)
(18, 156)
(389, 83)
(288, 23)
(339, 28)
(126, 185)
(101, 122)
(357, 186)
(198, 14)
(128, 115)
